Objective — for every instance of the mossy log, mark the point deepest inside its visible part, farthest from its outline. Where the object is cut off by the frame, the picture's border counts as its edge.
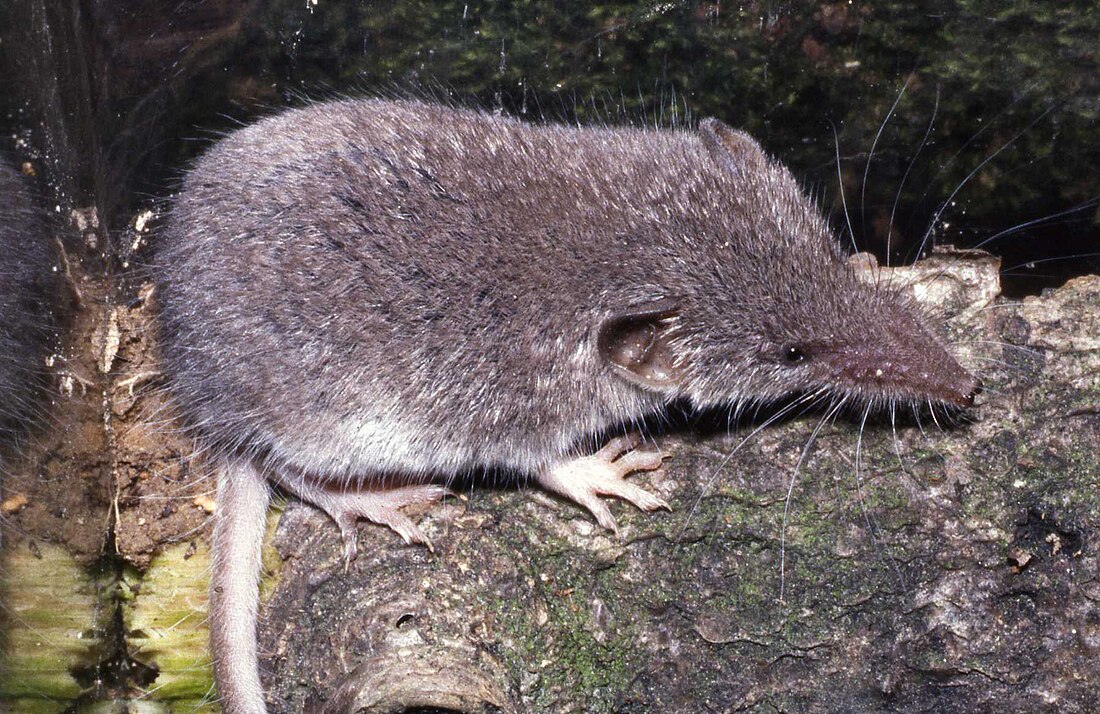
(935, 569)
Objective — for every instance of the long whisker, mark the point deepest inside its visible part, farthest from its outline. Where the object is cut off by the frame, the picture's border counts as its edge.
(840, 186)
(908, 169)
(1049, 260)
(977, 169)
(790, 491)
(986, 126)
(894, 432)
(871, 154)
(804, 400)
(1069, 211)
(871, 527)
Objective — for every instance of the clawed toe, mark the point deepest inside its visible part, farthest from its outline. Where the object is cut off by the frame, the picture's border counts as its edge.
(639, 497)
(599, 511)
(351, 540)
(410, 532)
(639, 461)
(617, 447)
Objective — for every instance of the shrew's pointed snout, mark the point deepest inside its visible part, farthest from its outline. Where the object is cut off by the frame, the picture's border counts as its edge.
(910, 367)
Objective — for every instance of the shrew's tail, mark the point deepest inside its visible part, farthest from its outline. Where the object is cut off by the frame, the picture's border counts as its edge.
(239, 526)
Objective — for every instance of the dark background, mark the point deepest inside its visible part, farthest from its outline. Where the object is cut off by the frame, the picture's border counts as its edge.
(966, 122)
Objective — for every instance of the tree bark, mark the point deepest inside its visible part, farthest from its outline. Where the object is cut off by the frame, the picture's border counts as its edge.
(912, 568)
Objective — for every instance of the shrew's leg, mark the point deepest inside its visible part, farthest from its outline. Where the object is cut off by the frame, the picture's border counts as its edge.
(347, 505)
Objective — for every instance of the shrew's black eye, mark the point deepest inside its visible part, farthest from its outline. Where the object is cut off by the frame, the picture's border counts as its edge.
(793, 354)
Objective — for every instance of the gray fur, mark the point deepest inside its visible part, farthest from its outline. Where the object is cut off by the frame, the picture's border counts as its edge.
(28, 294)
(370, 289)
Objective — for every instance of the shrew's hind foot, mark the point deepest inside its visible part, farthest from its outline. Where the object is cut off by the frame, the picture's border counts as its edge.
(583, 480)
(382, 507)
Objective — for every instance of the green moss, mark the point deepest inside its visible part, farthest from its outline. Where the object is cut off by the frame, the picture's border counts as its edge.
(53, 624)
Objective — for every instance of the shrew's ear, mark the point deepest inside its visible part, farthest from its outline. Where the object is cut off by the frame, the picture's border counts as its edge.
(635, 342)
(735, 150)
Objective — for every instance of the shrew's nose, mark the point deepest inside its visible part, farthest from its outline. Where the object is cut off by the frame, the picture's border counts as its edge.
(967, 400)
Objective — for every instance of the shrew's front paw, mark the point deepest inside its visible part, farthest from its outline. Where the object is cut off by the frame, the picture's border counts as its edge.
(585, 479)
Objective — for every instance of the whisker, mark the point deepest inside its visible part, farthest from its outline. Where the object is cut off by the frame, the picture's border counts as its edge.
(977, 169)
(871, 526)
(908, 170)
(932, 413)
(1069, 211)
(954, 157)
(871, 154)
(840, 186)
(896, 438)
(998, 362)
(790, 490)
(1031, 263)
(803, 400)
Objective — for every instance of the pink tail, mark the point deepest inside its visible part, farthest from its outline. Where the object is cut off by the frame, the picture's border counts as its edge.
(239, 526)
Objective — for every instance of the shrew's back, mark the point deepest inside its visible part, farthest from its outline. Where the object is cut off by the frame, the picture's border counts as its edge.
(352, 272)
